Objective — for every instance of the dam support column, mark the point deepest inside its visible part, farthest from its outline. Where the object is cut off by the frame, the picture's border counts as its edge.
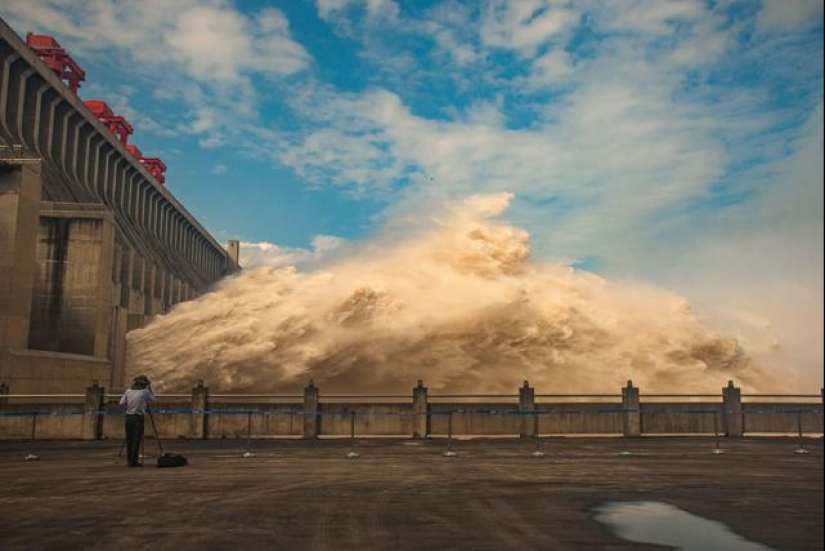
(312, 418)
(632, 414)
(93, 412)
(732, 404)
(200, 402)
(20, 194)
(527, 411)
(421, 419)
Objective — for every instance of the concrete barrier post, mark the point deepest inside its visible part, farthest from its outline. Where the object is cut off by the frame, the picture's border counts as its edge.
(421, 421)
(732, 403)
(632, 415)
(93, 412)
(311, 425)
(198, 424)
(527, 408)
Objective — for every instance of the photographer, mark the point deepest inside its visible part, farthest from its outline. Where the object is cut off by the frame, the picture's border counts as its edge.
(135, 400)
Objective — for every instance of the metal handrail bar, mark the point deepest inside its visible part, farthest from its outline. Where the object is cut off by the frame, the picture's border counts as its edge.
(473, 396)
(109, 396)
(256, 396)
(578, 395)
(682, 395)
(365, 396)
(781, 396)
(43, 395)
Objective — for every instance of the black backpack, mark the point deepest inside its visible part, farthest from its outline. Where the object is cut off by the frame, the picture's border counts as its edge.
(172, 460)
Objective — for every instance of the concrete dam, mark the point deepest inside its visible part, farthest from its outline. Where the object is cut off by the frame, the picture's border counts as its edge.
(92, 244)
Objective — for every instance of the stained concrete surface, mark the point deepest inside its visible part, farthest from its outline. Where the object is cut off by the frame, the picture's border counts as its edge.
(401, 494)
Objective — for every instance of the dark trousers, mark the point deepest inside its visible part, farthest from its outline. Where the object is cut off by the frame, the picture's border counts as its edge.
(134, 434)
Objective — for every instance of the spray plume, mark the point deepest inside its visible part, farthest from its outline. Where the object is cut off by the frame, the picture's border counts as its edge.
(459, 306)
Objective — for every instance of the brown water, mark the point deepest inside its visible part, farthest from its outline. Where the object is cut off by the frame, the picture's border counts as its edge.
(459, 305)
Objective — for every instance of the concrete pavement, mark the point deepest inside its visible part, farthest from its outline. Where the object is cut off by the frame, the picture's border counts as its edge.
(401, 494)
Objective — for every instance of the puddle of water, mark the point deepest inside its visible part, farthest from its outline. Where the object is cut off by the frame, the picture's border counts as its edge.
(664, 524)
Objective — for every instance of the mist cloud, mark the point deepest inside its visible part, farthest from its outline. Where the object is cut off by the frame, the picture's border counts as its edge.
(460, 306)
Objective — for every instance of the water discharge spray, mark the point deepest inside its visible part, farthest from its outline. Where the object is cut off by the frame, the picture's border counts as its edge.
(460, 306)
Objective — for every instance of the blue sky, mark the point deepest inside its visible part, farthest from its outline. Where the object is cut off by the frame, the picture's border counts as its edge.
(675, 142)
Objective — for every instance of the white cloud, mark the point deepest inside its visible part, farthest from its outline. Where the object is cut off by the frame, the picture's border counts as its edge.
(777, 14)
(262, 254)
(210, 41)
(524, 25)
(651, 17)
(329, 9)
(207, 51)
(449, 25)
(219, 169)
(758, 268)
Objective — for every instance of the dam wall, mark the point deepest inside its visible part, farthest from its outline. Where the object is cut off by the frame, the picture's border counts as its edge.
(92, 244)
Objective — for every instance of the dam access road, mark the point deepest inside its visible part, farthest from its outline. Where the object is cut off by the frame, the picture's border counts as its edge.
(401, 494)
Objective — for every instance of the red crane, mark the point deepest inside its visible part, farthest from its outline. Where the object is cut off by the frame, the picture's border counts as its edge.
(117, 124)
(49, 50)
(154, 165)
(135, 150)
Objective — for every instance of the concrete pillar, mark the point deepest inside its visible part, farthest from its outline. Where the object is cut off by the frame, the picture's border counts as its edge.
(527, 409)
(20, 193)
(105, 287)
(233, 247)
(164, 225)
(78, 123)
(311, 425)
(93, 412)
(732, 403)
(39, 111)
(107, 178)
(64, 137)
(118, 351)
(632, 415)
(200, 403)
(421, 421)
(153, 215)
(83, 169)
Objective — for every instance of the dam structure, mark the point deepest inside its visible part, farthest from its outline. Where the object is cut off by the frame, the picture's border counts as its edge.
(92, 244)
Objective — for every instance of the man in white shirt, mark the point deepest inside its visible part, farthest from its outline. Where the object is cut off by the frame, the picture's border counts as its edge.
(135, 400)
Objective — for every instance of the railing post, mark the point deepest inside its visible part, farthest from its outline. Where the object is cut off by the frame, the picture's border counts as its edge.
(732, 402)
(93, 412)
(199, 424)
(421, 421)
(311, 425)
(632, 415)
(526, 408)
(4, 391)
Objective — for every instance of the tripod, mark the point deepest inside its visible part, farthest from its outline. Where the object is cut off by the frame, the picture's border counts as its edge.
(155, 431)
(142, 440)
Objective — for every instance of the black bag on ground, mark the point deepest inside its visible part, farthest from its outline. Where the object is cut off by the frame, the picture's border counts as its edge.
(172, 460)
